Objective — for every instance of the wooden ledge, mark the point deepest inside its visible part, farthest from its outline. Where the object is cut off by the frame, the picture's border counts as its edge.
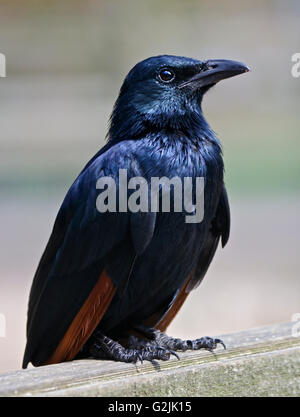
(258, 362)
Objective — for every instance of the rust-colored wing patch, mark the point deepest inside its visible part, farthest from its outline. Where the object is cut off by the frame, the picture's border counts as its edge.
(164, 323)
(85, 321)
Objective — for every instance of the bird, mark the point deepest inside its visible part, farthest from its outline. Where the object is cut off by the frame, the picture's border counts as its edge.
(110, 282)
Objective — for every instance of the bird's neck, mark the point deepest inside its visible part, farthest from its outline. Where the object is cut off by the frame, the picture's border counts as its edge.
(130, 125)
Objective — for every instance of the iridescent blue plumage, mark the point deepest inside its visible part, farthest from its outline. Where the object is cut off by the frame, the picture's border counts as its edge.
(157, 129)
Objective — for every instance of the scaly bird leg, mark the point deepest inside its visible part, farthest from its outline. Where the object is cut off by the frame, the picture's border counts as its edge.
(105, 348)
(158, 338)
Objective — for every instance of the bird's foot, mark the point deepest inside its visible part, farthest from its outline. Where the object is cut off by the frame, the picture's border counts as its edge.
(158, 338)
(105, 348)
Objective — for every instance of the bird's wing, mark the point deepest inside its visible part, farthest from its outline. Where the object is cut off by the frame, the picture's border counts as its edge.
(71, 289)
(220, 229)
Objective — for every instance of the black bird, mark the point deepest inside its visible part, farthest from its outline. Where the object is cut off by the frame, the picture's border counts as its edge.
(109, 283)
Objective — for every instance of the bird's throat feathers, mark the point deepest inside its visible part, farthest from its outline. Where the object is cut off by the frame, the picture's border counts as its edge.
(127, 123)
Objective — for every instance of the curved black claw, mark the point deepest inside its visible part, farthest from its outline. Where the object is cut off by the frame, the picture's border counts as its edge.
(162, 353)
(175, 354)
(221, 343)
(209, 343)
(150, 353)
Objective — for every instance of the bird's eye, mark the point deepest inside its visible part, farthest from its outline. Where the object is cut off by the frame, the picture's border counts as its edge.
(166, 75)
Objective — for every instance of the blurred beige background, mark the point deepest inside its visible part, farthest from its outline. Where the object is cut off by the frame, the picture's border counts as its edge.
(65, 64)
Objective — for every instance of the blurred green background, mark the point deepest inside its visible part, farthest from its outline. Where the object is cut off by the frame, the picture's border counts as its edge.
(65, 63)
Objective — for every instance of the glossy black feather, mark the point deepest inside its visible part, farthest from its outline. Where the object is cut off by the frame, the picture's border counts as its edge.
(80, 245)
(220, 228)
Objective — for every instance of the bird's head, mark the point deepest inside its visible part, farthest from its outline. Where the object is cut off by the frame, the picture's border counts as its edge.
(165, 91)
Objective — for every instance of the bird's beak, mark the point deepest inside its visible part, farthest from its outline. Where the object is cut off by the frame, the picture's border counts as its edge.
(214, 71)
